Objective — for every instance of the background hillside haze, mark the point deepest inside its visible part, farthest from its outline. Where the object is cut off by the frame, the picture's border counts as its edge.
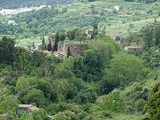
(29, 3)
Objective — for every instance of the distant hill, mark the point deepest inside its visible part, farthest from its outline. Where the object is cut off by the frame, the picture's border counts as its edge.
(29, 3)
(115, 17)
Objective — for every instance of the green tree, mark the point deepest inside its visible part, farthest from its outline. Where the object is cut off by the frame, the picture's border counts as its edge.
(78, 66)
(85, 96)
(56, 42)
(46, 87)
(129, 0)
(157, 36)
(33, 46)
(54, 108)
(23, 60)
(10, 105)
(62, 36)
(40, 114)
(24, 116)
(139, 104)
(113, 102)
(149, 1)
(95, 59)
(43, 45)
(64, 70)
(64, 10)
(22, 84)
(49, 46)
(68, 52)
(80, 35)
(7, 50)
(34, 96)
(71, 34)
(39, 58)
(153, 104)
(90, 0)
(148, 37)
(61, 87)
(123, 68)
(95, 28)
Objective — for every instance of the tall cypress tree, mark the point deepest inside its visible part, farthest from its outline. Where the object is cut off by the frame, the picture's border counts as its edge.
(157, 36)
(148, 37)
(56, 42)
(49, 47)
(43, 40)
(33, 46)
(43, 47)
(68, 52)
(95, 28)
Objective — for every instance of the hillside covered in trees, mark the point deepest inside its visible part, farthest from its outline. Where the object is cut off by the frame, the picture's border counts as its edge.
(67, 89)
(118, 21)
(102, 82)
(31, 3)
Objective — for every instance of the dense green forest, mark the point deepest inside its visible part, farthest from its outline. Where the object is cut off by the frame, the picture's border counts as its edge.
(67, 89)
(31, 3)
(64, 18)
(103, 82)
(146, 1)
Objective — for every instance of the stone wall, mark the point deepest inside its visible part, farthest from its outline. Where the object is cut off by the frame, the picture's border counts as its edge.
(52, 39)
(74, 48)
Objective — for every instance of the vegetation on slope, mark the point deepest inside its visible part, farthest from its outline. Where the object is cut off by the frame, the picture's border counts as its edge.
(68, 88)
(31, 3)
(64, 18)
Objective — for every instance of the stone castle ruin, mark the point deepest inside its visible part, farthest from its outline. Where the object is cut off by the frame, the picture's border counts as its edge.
(75, 48)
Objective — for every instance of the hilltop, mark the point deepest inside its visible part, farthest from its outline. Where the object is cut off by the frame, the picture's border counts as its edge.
(115, 17)
(31, 3)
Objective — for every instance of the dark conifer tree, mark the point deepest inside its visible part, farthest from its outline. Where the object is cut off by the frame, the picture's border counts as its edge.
(68, 52)
(33, 46)
(95, 29)
(43, 46)
(157, 36)
(56, 42)
(49, 46)
(43, 40)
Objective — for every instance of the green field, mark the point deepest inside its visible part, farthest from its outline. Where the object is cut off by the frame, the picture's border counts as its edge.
(29, 41)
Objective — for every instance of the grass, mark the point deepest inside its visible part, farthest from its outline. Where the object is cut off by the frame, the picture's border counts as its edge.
(126, 117)
(122, 29)
(29, 41)
(151, 82)
(26, 41)
(10, 36)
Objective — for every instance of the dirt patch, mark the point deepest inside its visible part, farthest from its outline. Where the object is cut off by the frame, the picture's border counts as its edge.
(99, 99)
